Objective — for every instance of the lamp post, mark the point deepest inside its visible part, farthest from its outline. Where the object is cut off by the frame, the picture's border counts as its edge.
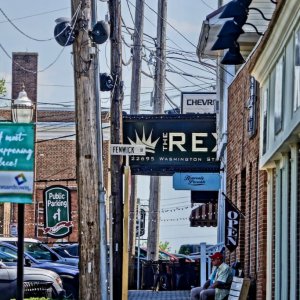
(22, 112)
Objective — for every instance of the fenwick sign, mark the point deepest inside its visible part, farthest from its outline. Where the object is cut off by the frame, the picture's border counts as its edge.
(16, 162)
(57, 204)
(174, 143)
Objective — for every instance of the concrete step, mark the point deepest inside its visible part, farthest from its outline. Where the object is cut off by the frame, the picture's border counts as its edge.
(161, 295)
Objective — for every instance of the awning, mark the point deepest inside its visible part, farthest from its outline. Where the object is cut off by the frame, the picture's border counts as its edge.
(205, 215)
(204, 196)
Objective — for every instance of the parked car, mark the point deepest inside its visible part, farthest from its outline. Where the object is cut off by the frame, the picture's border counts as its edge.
(187, 249)
(41, 251)
(8, 280)
(67, 250)
(186, 258)
(69, 274)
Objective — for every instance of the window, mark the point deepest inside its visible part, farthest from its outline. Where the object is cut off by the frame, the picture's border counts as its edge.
(278, 95)
(265, 120)
(297, 71)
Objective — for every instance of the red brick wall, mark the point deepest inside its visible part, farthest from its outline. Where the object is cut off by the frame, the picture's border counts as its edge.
(55, 160)
(250, 192)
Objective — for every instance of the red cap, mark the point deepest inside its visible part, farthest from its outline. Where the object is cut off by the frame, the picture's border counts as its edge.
(217, 255)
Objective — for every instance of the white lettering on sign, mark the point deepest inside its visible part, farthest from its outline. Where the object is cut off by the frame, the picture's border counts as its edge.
(178, 139)
(231, 229)
(57, 199)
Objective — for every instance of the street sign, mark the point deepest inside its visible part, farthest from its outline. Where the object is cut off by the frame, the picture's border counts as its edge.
(57, 219)
(120, 149)
(142, 223)
(16, 162)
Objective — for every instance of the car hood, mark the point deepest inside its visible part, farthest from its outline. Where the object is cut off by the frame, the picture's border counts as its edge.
(58, 268)
(31, 273)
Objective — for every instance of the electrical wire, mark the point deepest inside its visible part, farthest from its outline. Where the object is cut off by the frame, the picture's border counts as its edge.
(32, 38)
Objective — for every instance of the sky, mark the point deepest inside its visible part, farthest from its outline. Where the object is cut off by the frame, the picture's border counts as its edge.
(34, 20)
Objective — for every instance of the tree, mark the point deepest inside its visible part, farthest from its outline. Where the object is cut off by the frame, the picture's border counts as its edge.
(2, 87)
(165, 246)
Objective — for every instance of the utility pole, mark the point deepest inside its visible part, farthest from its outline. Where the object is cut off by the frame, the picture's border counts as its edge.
(86, 155)
(135, 109)
(102, 209)
(159, 103)
(116, 138)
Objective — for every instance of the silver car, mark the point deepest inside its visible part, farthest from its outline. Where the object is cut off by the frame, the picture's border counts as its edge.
(8, 281)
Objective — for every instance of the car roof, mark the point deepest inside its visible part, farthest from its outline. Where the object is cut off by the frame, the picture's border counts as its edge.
(15, 239)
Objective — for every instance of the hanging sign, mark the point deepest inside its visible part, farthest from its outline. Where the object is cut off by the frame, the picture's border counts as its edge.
(16, 162)
(174, 143)
(57, 205)
(232, 224)
(196, 181)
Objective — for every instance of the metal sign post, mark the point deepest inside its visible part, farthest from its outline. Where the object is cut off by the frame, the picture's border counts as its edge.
(127, 150)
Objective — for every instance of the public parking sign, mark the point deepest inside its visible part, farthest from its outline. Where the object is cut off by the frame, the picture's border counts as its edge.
(57, 205)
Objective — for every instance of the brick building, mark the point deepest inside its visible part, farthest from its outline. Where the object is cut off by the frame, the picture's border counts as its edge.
(246, 184)
(55, 152)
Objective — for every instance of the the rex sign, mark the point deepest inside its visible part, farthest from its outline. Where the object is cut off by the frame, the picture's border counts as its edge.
(57, 219)
(173, 143)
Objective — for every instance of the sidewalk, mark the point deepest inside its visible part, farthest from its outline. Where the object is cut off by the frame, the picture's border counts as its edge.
(162, 295)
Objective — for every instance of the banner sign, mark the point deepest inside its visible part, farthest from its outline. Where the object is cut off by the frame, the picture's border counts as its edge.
(196, 181)
(232, 224)
(174, 143)
(198, 103)
(16, 162)
(57, 206)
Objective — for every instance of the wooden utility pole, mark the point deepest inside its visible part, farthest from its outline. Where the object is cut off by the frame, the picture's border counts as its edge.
(159, 103)
(135, 109)
(86, 155)
(116, 138)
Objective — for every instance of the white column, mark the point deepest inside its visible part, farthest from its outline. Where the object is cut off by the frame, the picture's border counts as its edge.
(269, 253)
(278, 235)
(284, 225)
(293, 223)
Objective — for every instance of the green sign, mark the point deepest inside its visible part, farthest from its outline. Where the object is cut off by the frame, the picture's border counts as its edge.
(16, 162)
(57, 206)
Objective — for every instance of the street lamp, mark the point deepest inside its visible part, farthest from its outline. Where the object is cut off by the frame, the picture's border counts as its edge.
(22, 112)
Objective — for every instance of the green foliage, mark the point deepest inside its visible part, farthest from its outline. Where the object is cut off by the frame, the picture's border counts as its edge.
(2, 87)
(165, 246)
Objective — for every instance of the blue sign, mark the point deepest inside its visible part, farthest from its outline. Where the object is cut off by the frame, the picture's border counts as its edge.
(196, 181)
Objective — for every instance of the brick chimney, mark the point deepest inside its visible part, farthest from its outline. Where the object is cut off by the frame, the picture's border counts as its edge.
(24, 71)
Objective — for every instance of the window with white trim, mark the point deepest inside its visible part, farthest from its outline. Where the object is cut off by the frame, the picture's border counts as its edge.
(297, 71)
(278, 95)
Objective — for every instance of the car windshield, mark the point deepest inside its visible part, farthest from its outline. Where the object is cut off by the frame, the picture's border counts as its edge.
(7, 257)
(7, 254)
(38, 251)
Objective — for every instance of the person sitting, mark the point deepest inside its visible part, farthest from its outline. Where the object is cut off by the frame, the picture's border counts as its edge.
(218, 285)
